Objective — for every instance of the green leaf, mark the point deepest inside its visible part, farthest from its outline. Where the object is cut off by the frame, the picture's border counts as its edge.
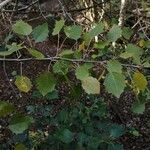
(101, 44)
(61, 67)
(139, 81)
(40, 33)
(138, 107)
(73, 32)
(115, 147)
(114, 66)
(22, 28)
(99, 28)
(36, 53)
(82, 71)
(91, 85)
(11, 49)
(117, 130)
(147, 44)
(65, 136)
(132, 51)
(65, 53)
(46, 83)
(115, 83)
(20, 147)
(6, 108)
(114, 34)
(19, 124)
(127, 33)
(23, 83)
(58, 26)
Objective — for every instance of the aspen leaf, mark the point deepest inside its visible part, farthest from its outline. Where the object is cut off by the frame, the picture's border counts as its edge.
(139, 80)
(91, 85)
(23, 83)
(36, 53)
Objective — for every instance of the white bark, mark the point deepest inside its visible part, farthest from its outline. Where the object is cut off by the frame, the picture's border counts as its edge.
(3, 3)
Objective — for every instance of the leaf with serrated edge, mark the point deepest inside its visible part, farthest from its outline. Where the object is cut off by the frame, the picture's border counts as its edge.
(91, 85)
(23, 83)
(40, 33)
(58, 26)
(46, 83)
(115, 83)
(139, 80)
(114, 66)
(22, 28)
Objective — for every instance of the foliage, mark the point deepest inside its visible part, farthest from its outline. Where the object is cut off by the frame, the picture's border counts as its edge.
(78, 125)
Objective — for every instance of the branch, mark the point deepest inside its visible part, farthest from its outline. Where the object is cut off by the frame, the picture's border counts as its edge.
(2, 4)
(54, 59)
(122, 12)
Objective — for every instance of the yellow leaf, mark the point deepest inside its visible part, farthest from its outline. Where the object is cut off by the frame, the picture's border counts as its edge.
(139, 81)
(82, 46)
(141, 43)
(23, 83)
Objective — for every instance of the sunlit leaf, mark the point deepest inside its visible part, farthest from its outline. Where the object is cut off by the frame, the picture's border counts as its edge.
(139, 81)
(22, 28)
(35, 53)
(91, 85)
(23, 83)
(65, 53)
(20, 147)
(58, 26)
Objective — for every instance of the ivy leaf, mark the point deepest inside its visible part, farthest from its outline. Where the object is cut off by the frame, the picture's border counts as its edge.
(40, 33)
(46, 83)
(58, 26)
(35, 53)
(61, 67)
(91, 85)
(23, 83)
(65, 136)
(11, 49)
(82, 71)
(19, 124)
(73, 32)
(114, 66)
(115, 83)
(114, 34)
(139, 80)
(99, 28)
(22, 28)
(6, 108)
(138, 107)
